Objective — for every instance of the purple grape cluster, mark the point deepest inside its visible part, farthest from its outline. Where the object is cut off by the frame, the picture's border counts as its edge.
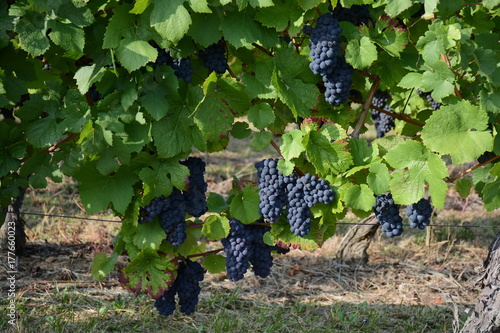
(383, 122)
(356, 14)
(303, 194)
(324, 44)
(244, 246)
(195, 198)
(419, 214)
(214, 57)
(172, 209)
(95, 96)
(324, 49)
(182, 67)
(186, 286)
(338, 83)
(387, 212)
(427, 96)
(272, 187)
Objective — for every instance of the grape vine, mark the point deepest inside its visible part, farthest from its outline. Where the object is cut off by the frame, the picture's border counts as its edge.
(131, 97)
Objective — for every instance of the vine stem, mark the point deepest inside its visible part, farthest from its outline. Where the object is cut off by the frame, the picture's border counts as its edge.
(204, 254)
(408, 120)
(366, 107)
(263, 49)
(276, 147)
(460, 175)
(54, 147)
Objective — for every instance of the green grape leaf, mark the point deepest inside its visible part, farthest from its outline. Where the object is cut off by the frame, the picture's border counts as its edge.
(245, 205)
(490, 192)
(378, 178)
(214, 263)
(261, 115)
(205, 29)
(161, 176)
(215, 227)
(238, 37)
(117, 25)
(286, 167)
(463, 186)
(259, 85)
(391, 40)
(439, 79)
(155, 103)
(170, 19)
(280, 231)
(44, 132)
(418, 166)
(31, 31)
(102, 265)
(134, 53)
(396, 7)
(281, 16)
(490, 4)
(360, 197)
(309, 4)
(223, 99)
(361, 53)
(216, 203)
(411, 80)
(140, 6)
(291, 144)
(149, 273)
(85, 76)
(149, 235)
(261, 140)
(327, 156)
(240, 130)
(200, 6)
(174, 134)
(461, 123)
(98, 191)
(68, 36)
(300, 97)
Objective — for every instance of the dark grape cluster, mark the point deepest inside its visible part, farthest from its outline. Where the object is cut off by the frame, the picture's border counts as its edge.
(487, 156)
(338, 83)
(324, 49)
(303, 194)
(244, 246)
(427, 96)
(419, 214)
(172, 209)
(387, 212)
(356, 14)
(261, 257)
(173, 217)
(182, 67)
(324, 44)
(383, 122)
(195, 198)
(186, 286)
(272, 189)
(95, 96)
(214, 57)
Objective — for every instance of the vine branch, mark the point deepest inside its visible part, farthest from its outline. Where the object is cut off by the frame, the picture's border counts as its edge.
(54, 147)
(366, 107)
(263, 49)
(397, 116)
(460, 175)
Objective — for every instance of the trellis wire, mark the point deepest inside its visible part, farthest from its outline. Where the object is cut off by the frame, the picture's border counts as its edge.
(338, 223)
